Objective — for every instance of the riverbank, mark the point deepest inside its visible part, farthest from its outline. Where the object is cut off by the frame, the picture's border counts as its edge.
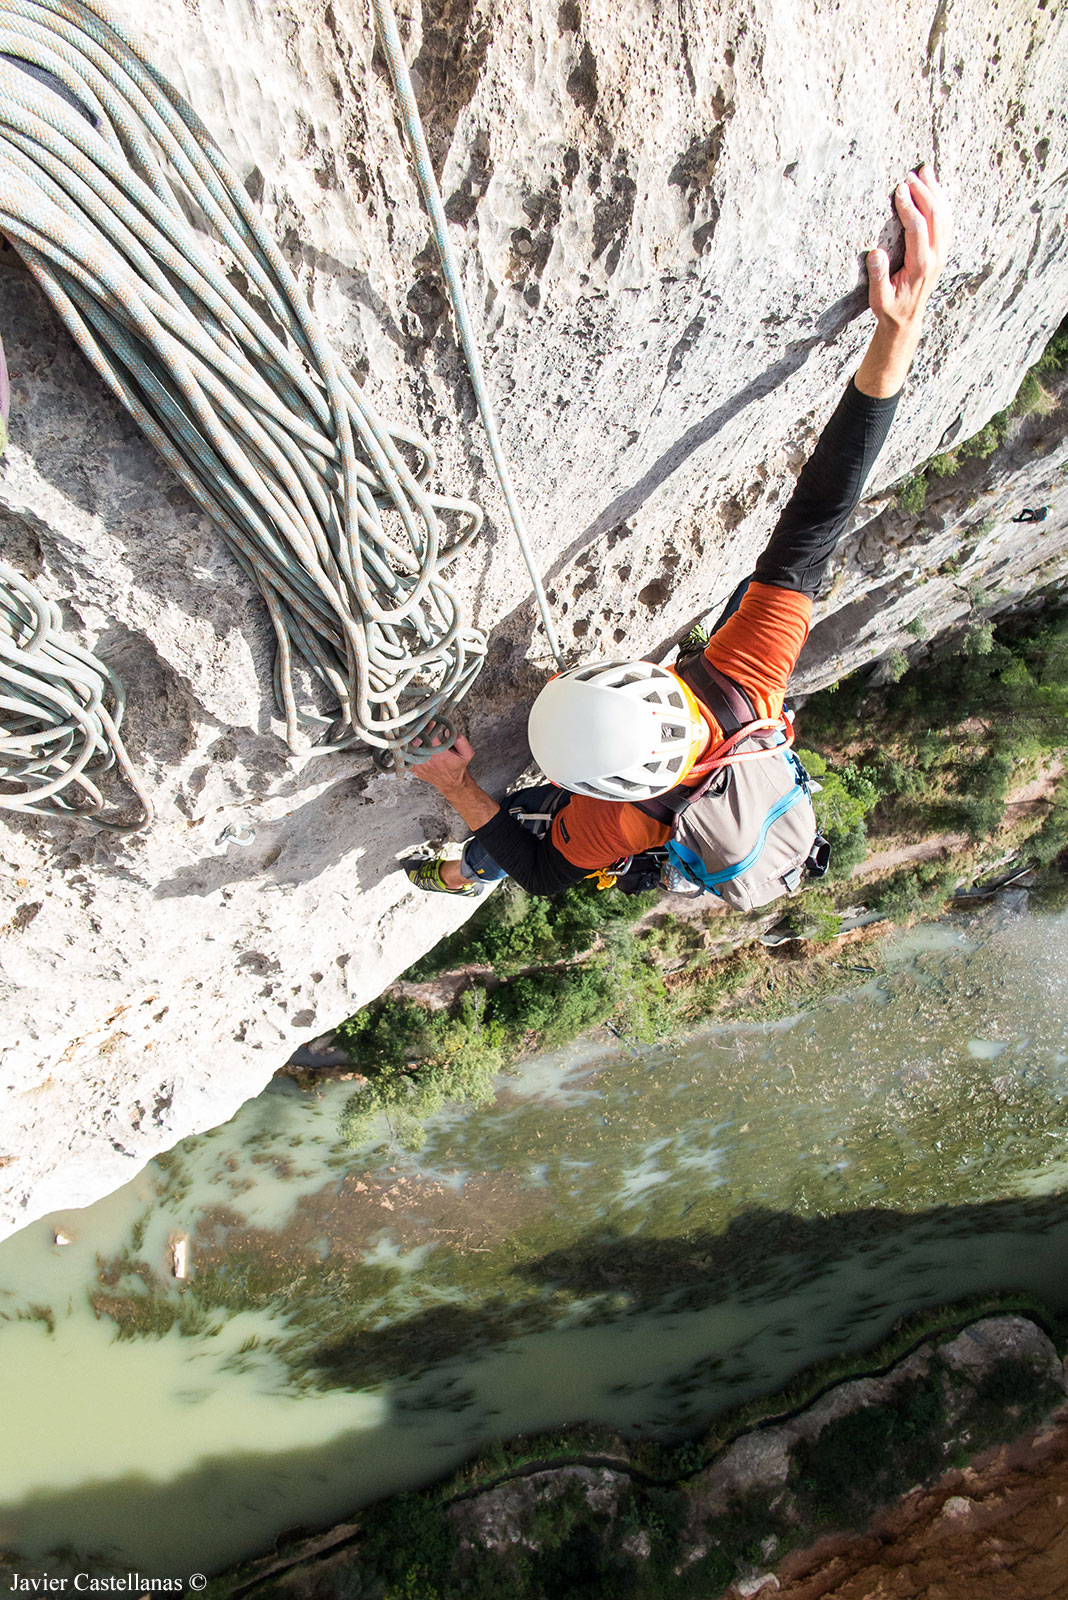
(819, 1481)
(639, 1242)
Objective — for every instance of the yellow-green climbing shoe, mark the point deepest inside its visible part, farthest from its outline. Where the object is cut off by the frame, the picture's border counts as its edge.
(427, 875)
(694, 641)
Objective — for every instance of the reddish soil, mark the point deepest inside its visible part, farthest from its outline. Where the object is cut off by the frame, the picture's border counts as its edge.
(998, 1530)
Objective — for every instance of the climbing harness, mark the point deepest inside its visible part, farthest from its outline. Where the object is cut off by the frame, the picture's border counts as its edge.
(57, 734)
(326, 508)
(747, 832)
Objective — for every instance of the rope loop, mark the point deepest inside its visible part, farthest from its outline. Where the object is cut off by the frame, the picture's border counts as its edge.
(326, 507)
(57, 734)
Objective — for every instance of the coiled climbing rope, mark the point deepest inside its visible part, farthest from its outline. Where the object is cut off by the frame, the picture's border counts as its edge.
(102, 163)
(57, 734)
(55, 728)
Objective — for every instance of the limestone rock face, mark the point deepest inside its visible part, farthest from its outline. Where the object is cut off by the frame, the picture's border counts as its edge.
(661, 214)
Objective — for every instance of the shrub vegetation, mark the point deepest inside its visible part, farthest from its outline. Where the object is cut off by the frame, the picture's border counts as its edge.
(512, 930)
(416, 1057)
(941, 748)
(847, 794)
(1031, 397)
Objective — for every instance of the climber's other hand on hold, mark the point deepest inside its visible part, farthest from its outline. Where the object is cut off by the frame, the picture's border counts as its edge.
(446, 770)
(898, 299)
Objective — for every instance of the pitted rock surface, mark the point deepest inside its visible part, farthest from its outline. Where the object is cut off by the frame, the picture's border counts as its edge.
(661, 215)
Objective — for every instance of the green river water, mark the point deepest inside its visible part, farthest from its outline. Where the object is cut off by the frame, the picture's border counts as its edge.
(637, 1239)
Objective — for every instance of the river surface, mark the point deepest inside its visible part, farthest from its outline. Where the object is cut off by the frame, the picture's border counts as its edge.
(639, 1238)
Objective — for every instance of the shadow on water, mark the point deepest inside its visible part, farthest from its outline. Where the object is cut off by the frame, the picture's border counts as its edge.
(193, 1512)
(647, 1336)
(764, 1257)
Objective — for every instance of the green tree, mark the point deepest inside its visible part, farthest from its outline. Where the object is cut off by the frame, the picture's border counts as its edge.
(846, 796)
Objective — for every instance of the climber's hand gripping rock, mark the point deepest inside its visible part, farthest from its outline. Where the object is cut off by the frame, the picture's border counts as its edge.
(898, 300)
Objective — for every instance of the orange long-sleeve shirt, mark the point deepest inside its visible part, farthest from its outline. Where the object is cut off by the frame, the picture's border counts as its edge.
(758, 647)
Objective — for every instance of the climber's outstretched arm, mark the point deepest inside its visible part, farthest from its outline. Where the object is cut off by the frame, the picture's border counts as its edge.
(833, 479)
(760, 636)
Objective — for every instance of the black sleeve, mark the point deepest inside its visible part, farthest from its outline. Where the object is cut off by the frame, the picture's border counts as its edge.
(535, 864)
(827, 492)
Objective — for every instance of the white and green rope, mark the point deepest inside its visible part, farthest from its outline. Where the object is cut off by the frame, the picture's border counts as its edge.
(325, 506)
(57, 733)
(413, 128)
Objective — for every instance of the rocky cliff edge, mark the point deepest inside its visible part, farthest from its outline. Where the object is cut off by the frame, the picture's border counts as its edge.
(661, 215)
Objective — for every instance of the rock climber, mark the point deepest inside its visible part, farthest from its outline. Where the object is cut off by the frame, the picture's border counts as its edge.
(610, 746)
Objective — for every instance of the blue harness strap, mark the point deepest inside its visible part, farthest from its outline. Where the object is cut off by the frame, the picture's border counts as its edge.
(692, 864)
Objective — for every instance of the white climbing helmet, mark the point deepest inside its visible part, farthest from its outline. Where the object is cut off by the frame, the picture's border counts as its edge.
(618, 730)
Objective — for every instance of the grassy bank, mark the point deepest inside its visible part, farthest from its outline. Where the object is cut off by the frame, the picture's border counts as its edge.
(936, 754)
(583, 1513)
